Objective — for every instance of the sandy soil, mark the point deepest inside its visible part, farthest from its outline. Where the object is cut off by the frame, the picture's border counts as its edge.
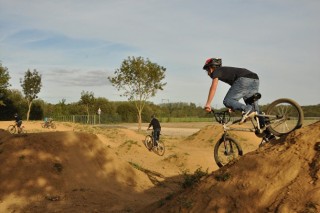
(77, 168)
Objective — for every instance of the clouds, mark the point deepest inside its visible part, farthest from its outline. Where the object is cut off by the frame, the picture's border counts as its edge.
(77, 78)
(68, 41)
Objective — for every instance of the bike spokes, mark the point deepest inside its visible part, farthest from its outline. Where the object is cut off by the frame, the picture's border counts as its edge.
(148, 142)
(159, 149)
(285, 115)
(226, 150)
(12, 129)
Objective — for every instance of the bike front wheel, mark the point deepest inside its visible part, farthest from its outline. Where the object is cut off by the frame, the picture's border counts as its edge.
(53, 126)
(12, 129)
(283, 116)
(148, 142)
(160, 149)
(226, 150)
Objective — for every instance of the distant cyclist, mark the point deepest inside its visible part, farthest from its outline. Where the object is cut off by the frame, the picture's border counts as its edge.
(156, 129)
(18, 121)
(244, 83)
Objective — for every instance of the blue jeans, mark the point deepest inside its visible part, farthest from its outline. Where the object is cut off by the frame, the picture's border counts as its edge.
(156, 135)
(242, 88)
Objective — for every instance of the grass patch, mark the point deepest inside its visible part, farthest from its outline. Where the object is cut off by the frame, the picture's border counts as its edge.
(191, 179)
(172, 156)
(310, 207)
(167, 198)
(185, 203)
(136, 166)
(211, 141)
(58, 167)
(129, 144)
(222, 177)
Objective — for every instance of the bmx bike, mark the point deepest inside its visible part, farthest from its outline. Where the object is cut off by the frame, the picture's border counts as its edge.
(281, 117)
(13, 128)
(157, 147)
(49, 124)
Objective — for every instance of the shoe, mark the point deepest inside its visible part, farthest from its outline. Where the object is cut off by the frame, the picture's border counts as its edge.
(270, 137)
(247, 115)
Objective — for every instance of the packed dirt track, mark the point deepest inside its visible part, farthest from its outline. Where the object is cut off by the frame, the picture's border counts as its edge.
(78, 168)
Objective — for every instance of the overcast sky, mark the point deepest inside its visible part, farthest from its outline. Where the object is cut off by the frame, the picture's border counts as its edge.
(77, 44)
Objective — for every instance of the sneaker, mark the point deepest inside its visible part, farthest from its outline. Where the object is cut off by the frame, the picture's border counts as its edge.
(247, 115)
(270, 137)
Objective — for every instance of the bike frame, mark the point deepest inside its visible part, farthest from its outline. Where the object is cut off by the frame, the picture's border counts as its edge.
(221, 118)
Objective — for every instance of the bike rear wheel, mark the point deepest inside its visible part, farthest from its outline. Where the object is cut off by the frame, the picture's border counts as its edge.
(285, 114)
(148, 142)
(226, 150)
(160, 149)
(12, 129)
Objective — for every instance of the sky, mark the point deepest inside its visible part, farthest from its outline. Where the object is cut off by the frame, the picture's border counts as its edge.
(76, 44)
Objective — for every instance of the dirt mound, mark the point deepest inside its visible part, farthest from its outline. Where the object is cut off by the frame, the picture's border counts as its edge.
(65, 172)
(108, 169)
(280, 177)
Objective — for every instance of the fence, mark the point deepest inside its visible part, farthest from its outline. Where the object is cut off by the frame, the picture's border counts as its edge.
(89, 119)
(107, 119)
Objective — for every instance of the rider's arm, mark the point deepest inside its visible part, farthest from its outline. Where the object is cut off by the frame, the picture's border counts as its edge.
(211, 94)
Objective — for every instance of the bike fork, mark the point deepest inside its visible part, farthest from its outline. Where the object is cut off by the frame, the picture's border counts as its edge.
(225, 144)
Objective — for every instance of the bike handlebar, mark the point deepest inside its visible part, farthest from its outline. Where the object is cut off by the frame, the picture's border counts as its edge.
(221, 117)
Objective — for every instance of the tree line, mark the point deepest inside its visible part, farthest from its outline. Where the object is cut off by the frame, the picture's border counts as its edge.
(138, 78)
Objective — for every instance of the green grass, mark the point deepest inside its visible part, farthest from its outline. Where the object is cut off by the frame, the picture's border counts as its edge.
(129, 144)
(222, 177)
(192, 179)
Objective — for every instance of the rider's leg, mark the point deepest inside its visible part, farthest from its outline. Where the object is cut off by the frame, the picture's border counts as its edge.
(255, 106)
(19, 123)
(154, 137)
(241, 88)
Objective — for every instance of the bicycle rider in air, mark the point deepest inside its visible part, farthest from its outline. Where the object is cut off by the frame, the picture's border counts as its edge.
(244, 84)
(18, 121)
(156, 129)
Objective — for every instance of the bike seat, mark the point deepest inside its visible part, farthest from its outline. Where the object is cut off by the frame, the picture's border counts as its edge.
(253, 98)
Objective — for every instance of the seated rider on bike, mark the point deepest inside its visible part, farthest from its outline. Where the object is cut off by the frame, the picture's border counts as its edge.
(18, 120)
(156, 129)
(47, 121)
(244, 84)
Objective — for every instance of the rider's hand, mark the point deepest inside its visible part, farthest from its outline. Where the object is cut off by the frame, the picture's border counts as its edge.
(207, 108)
(230, 110)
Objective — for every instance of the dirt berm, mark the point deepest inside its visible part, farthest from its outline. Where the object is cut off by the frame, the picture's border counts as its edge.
(110, 170)
(281, 177)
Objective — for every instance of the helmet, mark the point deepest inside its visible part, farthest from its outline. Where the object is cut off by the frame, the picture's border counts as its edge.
(15, 114)
(212, 62)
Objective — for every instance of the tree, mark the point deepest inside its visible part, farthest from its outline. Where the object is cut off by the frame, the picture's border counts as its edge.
(31, 86)
(87, 99)
(4, 82)
(139, 79)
